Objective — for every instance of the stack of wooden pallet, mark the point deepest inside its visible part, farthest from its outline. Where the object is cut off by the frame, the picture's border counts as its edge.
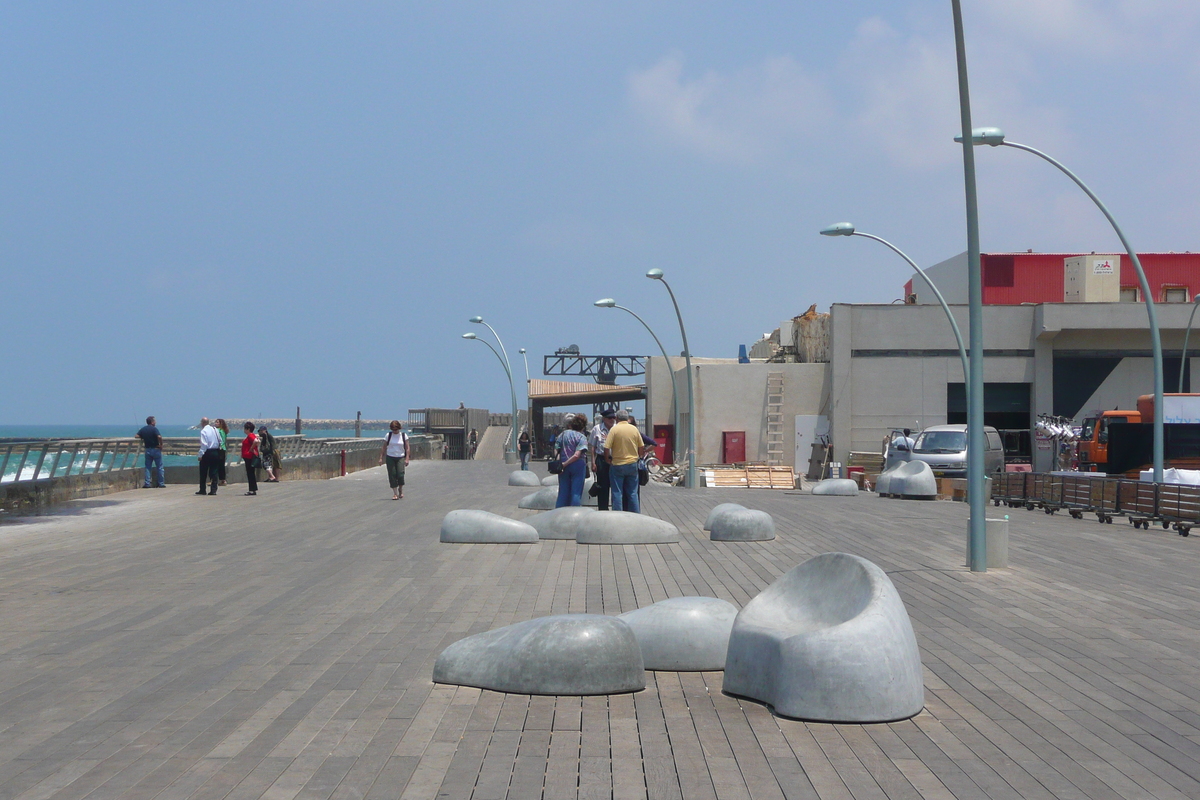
(750, 476)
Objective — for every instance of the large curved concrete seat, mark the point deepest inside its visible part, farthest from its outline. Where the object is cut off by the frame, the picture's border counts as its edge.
(625, 527)
(571, 654)
(828, 641)
(471, 526)
(743, 525)
(913, 480)
(559, 523)
(718, 510)
(842, 487)
(683, 634)
(523, 477)
(550, 480)
(541, 500)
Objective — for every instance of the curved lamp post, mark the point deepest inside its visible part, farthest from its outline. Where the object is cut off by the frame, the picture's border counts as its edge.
(690, 481)
(847, 229)
(995, 138)
(1186, 333)
(528, 407)
(608, 302)
(510, 454)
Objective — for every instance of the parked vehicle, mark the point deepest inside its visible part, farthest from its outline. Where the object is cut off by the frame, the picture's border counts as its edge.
(944, 449)
(1120, 441)
(1093, 440)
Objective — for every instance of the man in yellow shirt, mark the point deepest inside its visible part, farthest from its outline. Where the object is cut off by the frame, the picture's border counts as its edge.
(622, 447)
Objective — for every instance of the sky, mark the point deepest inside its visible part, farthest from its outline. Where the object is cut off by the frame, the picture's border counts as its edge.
(239, 208)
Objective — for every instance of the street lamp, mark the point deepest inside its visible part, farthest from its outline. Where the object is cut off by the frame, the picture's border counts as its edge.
(528, 405)
(690, 479)
(1186, 333)
(995, 138)
(510, 454)
(608, 302)
(847, 229)
(977, 536)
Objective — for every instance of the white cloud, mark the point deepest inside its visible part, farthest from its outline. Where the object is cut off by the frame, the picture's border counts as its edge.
(745, 116)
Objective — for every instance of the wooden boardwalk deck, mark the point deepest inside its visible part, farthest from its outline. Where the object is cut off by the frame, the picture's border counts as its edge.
(163, 645)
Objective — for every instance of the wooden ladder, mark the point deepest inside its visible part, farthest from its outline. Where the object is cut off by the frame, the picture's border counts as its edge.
(774, 418)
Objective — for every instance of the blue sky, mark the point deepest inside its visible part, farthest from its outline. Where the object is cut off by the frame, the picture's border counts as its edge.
(237, 208)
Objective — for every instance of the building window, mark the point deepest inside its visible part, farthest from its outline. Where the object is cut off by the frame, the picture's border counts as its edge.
(1129, 294)
(1175, 294)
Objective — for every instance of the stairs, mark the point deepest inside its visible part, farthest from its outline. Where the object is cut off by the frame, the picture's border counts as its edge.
(491, 444)
(774, 419)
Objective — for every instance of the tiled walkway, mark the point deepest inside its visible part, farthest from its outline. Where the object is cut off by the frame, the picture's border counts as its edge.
(163, 645)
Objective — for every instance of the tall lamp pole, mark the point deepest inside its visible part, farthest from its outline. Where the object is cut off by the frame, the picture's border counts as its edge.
(528, 408)
(995, 138)
(977, 537)
(608, 302)
(510, 455)
(847, 229)
(690, 480)
(1186, 333)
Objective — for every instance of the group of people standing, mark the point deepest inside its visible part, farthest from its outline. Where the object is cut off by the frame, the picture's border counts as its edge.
(258, 452)
(614, 449)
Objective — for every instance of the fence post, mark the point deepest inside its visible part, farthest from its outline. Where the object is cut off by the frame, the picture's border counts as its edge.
(343, 463)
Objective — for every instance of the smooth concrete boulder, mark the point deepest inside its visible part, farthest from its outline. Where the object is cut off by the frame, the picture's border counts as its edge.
(717, 511)
(743, 525)
(571, 654)
(625, 527)
(550, 480)
(828, 641)
(588, 500)
(561, 523)
(541, 500)
(523, 477)
(683, 634)
(471, 526)
(842, 487)
(913, 480)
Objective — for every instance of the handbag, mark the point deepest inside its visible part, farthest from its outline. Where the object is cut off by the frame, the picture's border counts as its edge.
(643, 472)
(555, 466)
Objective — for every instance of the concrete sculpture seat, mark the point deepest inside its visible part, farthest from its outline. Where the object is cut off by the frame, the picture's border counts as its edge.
(683, 634)
(718, 510)
(625, 527)
(471, 526)
(541, 500)
(560, 523)
(828, 641)
(842, 487)
(913, 480)
(572, 654)
(523, 478)
(550, 480)
(742, 525)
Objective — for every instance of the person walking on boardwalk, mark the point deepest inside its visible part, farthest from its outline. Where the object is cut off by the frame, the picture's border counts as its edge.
(268, 453)
(599, 433)
(395, 452)
(572, 450)
(250, 458)
(222, 431)
(210, 454)
(623, 448)
(152, 439)
(525, 447)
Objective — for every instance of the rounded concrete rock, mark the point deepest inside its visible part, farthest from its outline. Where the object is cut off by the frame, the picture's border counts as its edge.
(830, 641)
(625, 527)
(542, 500)
(523, 477)
(550, 480)
(471, 526)
(743, 525)
(683, 634)
(560, 523)
(912, 479)
(718, 510)
(571, 654)
(842, 487)
(588, 500)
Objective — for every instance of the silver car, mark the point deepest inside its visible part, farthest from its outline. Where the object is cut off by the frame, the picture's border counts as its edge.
(944, 449)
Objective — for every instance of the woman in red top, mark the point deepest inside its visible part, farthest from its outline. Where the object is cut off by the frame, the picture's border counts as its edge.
(250, 457)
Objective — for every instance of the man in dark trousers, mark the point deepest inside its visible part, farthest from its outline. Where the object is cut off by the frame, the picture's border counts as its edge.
(599, 462)
(152, 440)
(210, 455)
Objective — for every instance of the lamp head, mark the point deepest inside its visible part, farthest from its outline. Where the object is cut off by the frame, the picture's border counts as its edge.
(839, 229)
(989, 136)
(655, 274)
(470, 336)
(521, 351)
(607, 302)
(476, 319)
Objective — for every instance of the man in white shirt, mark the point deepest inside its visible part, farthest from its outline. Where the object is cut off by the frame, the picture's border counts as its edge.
(210, 455)
(599, 462)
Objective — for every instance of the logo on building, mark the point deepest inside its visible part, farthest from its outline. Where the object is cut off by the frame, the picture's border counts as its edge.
(1104, 267)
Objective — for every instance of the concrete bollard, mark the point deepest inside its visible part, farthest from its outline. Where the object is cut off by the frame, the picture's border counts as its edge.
(997, 544)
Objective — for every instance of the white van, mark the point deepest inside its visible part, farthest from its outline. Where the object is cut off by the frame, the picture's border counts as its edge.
(944, 449)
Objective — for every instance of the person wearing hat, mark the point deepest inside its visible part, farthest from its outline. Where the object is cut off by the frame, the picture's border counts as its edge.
(600, 464)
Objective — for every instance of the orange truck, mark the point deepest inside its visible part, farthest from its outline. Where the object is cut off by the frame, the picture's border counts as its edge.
(1178, 410)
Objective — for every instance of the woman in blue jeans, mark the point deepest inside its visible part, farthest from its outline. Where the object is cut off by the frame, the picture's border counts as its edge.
(572, 449)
